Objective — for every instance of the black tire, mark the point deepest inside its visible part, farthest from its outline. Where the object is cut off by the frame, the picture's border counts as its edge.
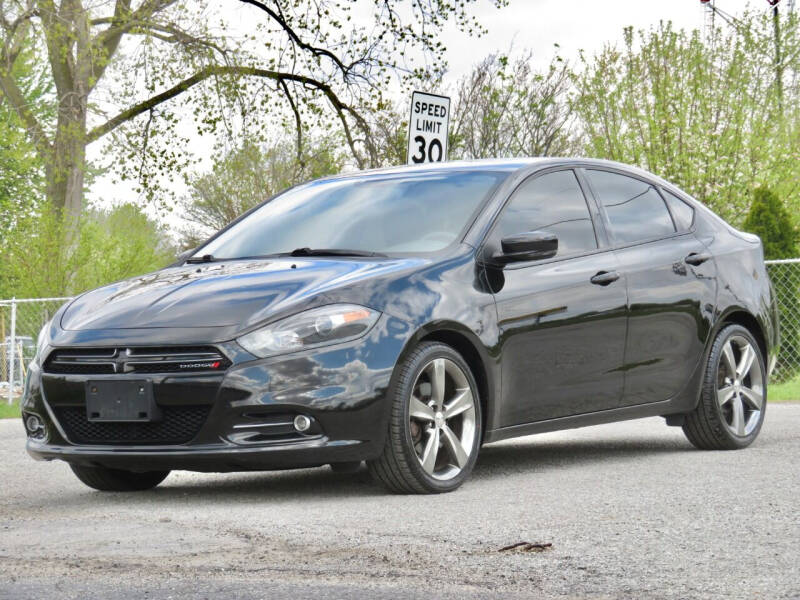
(398, 468)
(116, 480)
(706, 426)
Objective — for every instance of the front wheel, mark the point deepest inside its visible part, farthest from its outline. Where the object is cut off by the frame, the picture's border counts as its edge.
(435, 424)
(117, 480)
(733, 400)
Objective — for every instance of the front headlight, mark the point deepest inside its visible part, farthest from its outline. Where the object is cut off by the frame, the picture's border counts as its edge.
(313, 328)
(42, 341)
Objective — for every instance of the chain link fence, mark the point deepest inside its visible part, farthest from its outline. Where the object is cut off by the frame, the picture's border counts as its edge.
(22, 319)
(785, 277)
(20, 323)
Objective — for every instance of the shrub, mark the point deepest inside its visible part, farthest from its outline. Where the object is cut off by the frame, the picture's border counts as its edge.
(45, 256)
(769, 219)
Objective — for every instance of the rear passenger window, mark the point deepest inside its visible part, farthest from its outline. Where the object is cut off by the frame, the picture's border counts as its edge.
(682, 213)
(554, 203)
(635, 209)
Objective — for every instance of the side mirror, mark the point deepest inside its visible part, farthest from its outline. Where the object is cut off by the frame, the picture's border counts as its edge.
(531, 245)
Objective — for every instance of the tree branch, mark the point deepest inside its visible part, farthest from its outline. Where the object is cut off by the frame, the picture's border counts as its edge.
(16, 32)
(18, 104)
(171, 35)
(109, 39)
(297, 122)
(58, 45)
(281, 21)
(181, 87)
(123, 21)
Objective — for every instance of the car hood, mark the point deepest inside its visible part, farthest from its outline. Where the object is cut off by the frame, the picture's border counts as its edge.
(232, 294)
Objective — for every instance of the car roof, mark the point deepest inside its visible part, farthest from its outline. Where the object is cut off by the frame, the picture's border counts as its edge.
(493, 164)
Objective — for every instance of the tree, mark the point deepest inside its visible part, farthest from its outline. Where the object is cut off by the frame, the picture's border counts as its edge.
(702, 114)
(769, 219)
(245, 177)
(117, 65)
(104, 246)
(389, 127)
(505, 109)
(21, 171)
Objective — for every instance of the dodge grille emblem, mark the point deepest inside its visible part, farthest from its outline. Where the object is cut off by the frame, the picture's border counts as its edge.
(119, 363)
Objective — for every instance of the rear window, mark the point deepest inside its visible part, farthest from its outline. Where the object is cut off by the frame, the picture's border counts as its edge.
(681, 212)
(634, 207)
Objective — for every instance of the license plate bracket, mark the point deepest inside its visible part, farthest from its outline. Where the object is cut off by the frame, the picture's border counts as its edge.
(121, 402)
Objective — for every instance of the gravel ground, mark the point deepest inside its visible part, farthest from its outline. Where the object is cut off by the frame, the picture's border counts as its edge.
(631, 511)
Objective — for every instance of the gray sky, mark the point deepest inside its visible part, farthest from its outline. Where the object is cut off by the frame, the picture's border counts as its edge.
(526, 24)
(575, 25)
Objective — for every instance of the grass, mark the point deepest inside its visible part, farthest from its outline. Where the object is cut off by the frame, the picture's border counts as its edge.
(785, 392)
(9, 411)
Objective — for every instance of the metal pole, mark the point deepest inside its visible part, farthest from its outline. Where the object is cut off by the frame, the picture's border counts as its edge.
(708, 21)
(12, 357)
(3, 349)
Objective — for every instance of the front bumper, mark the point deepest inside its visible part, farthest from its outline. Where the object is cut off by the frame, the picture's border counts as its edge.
(211, 458)
(341, 388)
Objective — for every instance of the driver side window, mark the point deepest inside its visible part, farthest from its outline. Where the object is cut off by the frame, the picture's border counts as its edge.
(553, 203)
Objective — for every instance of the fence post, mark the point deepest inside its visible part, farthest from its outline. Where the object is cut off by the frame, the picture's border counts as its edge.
(12, 356)
(3, 349)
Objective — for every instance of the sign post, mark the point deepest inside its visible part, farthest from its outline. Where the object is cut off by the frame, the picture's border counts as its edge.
(427, 128)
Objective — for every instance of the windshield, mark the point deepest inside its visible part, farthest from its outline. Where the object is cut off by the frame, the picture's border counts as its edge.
(385, 214)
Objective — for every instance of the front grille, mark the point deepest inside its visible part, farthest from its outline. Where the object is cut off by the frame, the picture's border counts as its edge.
(179, 425)
(108, 361)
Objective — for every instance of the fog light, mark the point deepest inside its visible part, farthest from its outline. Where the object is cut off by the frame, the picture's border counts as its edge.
(302, 423)
(33, 424)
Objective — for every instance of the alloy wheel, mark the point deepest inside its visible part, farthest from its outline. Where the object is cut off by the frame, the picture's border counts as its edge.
(442, 419)
(740, 386)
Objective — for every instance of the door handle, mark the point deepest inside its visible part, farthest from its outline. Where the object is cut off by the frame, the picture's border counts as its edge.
(605, 277)
(696, 259)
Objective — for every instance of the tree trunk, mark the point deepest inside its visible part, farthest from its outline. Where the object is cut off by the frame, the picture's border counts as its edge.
(71, 61)
(67, 164)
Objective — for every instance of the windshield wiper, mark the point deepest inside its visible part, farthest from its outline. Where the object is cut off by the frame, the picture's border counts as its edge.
(333, 252)
(200, 259)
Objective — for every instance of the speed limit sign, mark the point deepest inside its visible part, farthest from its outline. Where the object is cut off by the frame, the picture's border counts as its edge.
(427, 128)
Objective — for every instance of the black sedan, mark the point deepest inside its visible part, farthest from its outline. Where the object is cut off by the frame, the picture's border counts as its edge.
(405, 317)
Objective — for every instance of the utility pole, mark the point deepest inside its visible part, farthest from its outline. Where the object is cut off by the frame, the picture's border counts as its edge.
(708, 19)
(710, 6)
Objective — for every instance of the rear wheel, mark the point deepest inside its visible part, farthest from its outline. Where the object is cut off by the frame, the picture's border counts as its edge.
(734, 395)
(435, 426)
(117, 480)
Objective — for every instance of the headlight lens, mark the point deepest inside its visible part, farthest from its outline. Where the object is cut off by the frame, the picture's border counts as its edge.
(42, 340)
(322, 326)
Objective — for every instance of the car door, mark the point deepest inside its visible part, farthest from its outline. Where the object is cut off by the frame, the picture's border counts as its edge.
(671, 279)
(561, 320)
